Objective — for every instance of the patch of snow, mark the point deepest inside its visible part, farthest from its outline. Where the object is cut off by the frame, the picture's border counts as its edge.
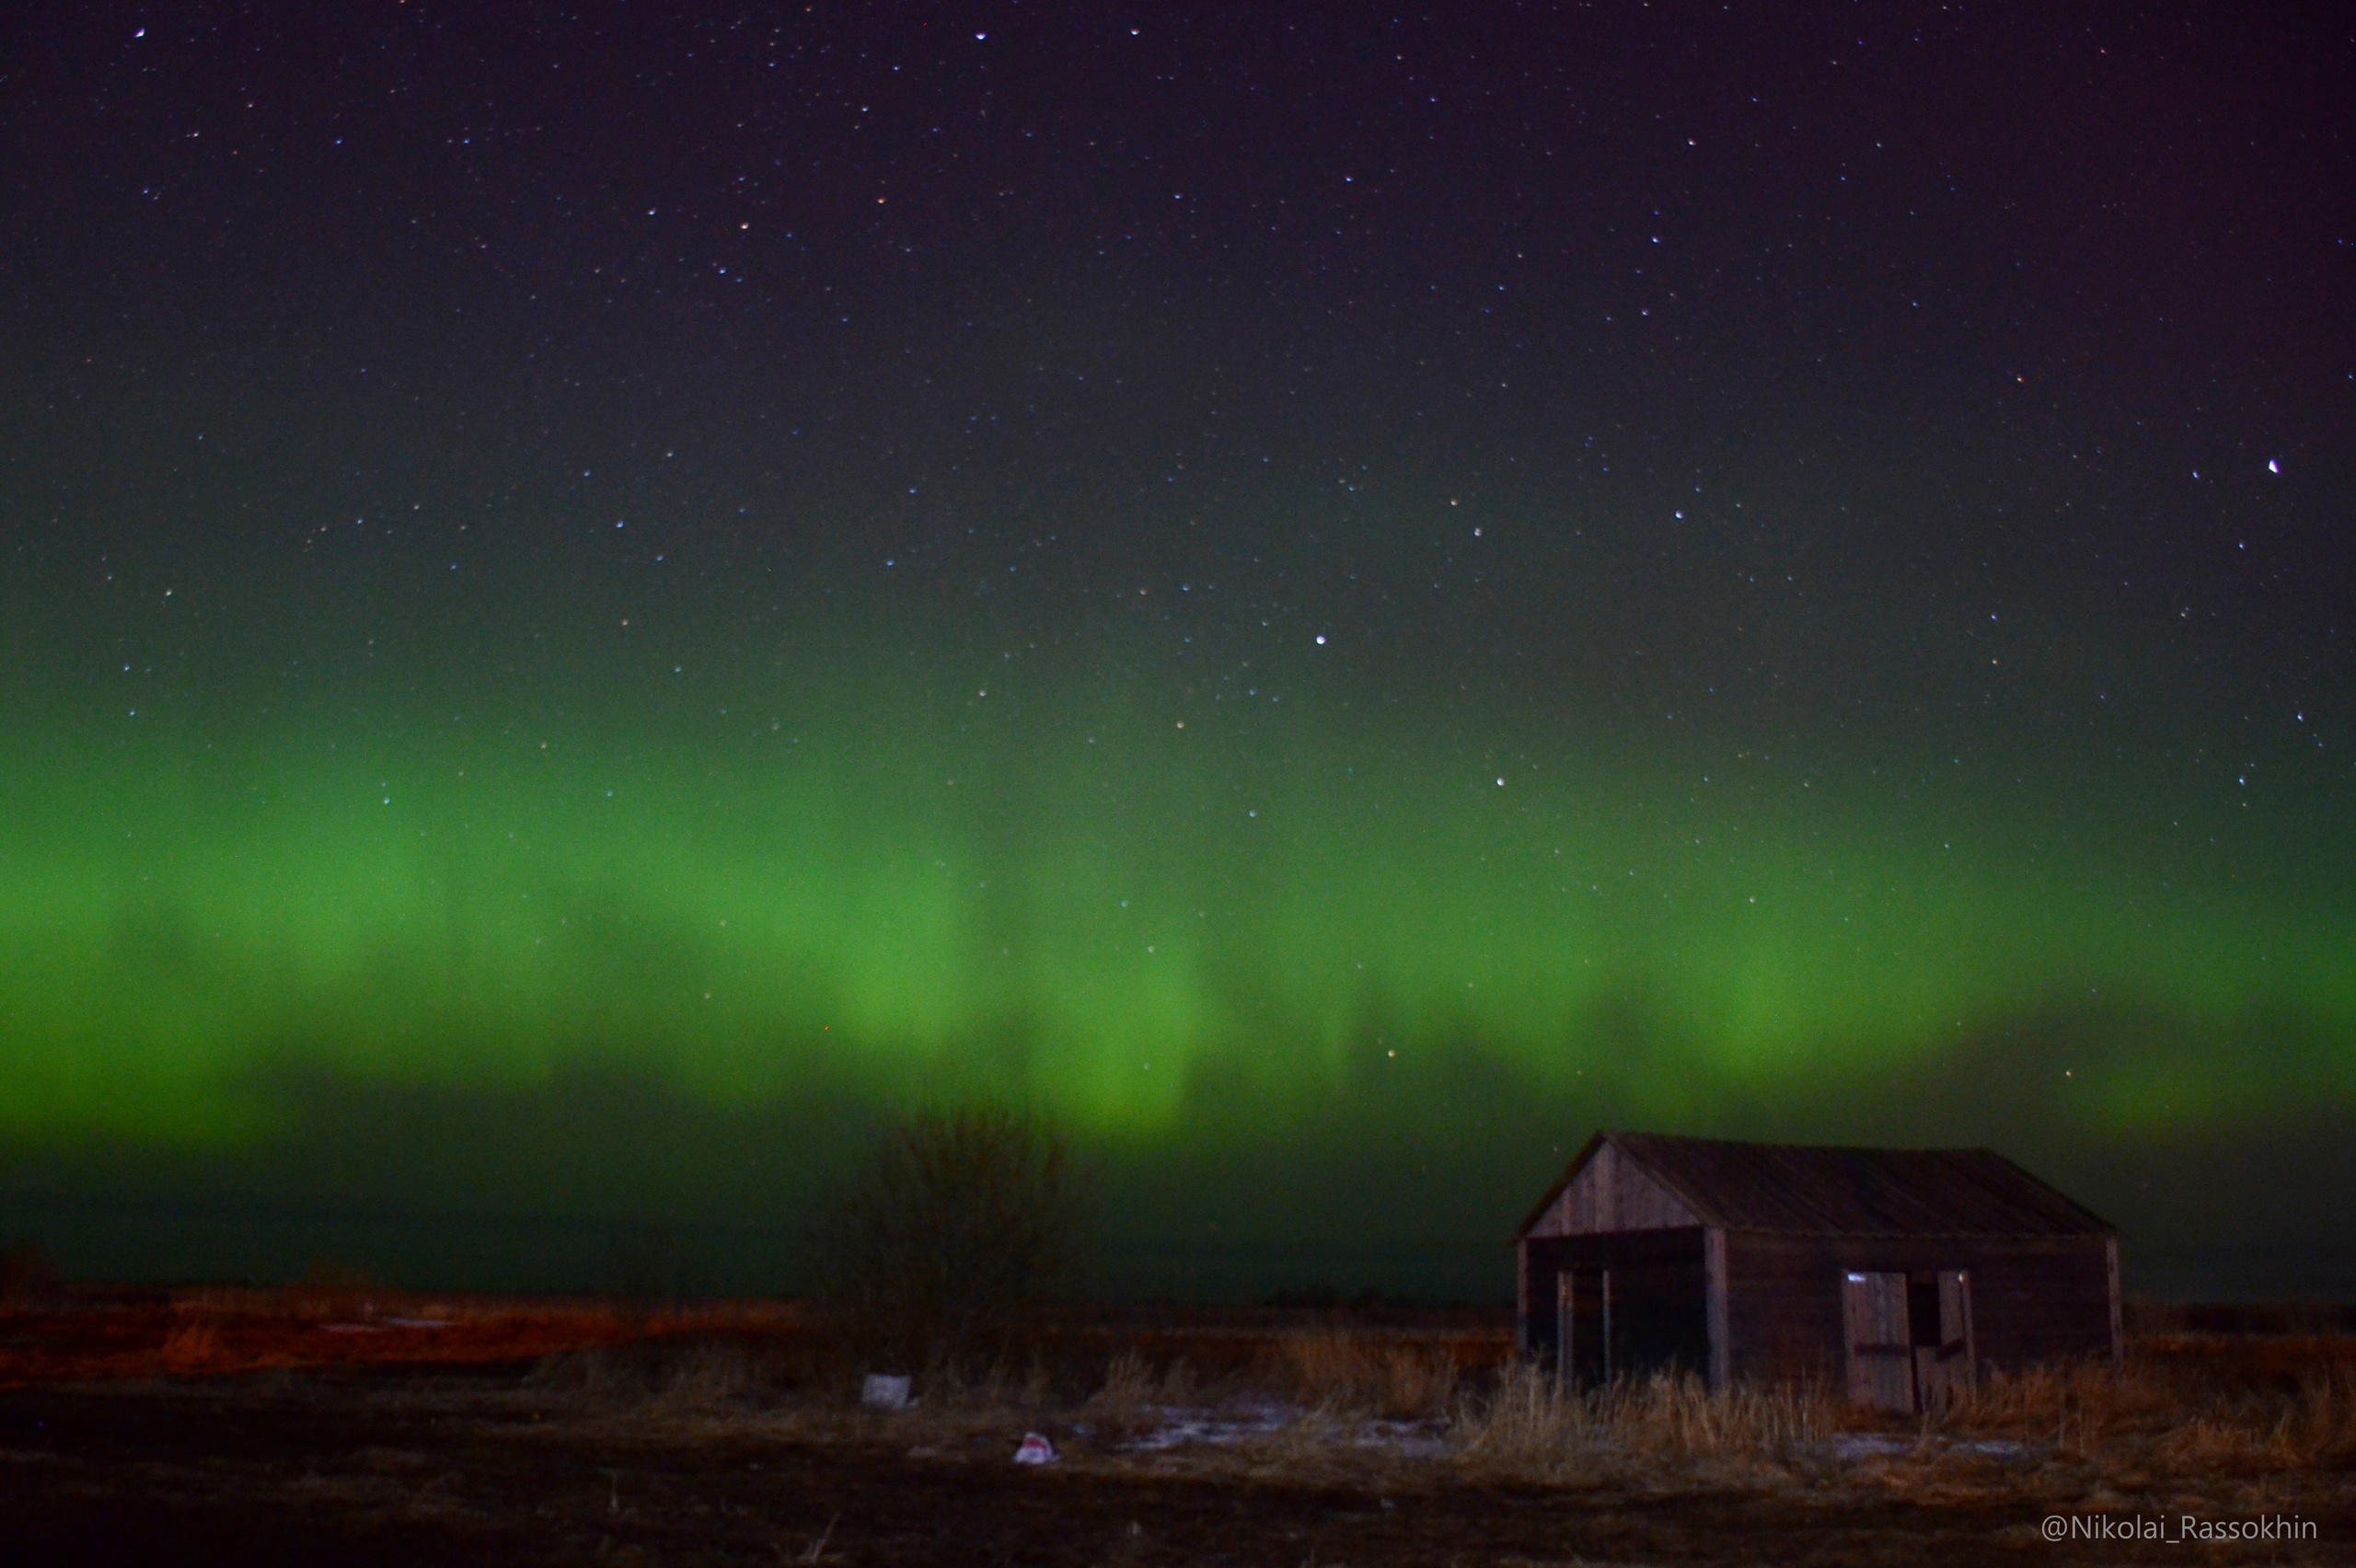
(1408, 1439)
(1854, 1446)
(1176, 1427)
(1995, 1448)
(884, 1393)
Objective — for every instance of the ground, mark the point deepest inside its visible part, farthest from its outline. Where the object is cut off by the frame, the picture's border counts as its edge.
(697, 1453)
(408, 1468)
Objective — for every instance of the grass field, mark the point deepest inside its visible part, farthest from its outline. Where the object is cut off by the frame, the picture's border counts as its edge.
(337, 1420)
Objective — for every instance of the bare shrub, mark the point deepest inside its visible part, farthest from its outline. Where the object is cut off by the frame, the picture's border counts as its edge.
(962, 1224)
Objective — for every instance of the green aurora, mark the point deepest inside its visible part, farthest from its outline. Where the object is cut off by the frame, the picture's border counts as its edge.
(1020, 879)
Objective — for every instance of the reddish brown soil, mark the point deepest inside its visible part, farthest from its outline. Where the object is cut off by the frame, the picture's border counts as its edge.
(217, 1331)
(146, 1334)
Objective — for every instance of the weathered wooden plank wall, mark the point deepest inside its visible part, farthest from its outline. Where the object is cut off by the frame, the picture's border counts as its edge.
(2032, 1299)
(1612, 1194)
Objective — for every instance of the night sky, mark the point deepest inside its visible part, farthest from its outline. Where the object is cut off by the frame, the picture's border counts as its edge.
(597, 597)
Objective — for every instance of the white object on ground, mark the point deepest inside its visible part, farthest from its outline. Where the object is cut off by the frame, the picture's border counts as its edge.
(883, 1393)
(1035, 1450)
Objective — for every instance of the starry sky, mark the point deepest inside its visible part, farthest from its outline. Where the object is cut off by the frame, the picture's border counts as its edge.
(598, 598)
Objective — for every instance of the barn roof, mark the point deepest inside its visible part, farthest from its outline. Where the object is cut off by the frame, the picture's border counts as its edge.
(1800, 1189)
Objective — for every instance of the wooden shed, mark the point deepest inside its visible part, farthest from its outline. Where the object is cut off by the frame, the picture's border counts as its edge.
(1902, 1275)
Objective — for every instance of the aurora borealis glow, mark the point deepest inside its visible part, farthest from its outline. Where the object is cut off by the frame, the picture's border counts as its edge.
(1279, 722)
(1011, 888)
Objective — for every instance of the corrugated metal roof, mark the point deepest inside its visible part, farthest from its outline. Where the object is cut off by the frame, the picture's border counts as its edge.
(1806, 1190)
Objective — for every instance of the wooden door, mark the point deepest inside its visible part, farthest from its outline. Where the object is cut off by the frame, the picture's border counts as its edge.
(1939, 1304)
(1880, 1344)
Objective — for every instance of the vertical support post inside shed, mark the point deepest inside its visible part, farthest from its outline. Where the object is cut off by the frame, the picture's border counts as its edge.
(1607, 1328)
(1714, 1285)
(1565, 1319)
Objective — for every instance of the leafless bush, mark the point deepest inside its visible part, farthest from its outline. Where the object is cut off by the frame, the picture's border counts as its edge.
(962, 1224)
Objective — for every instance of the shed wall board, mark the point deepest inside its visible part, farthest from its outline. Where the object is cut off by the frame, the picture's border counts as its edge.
(2033, 1299)
(1714, 1280)
(1611, 1193)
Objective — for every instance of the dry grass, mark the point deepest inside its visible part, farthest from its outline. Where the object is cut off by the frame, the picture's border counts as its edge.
(1527, 1428)
(2170, 1415)
(2093, 1425)
(192, 1344)
(1394, 1376)
(2186, 1415)
(682, 1375)
(1132, 1388)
